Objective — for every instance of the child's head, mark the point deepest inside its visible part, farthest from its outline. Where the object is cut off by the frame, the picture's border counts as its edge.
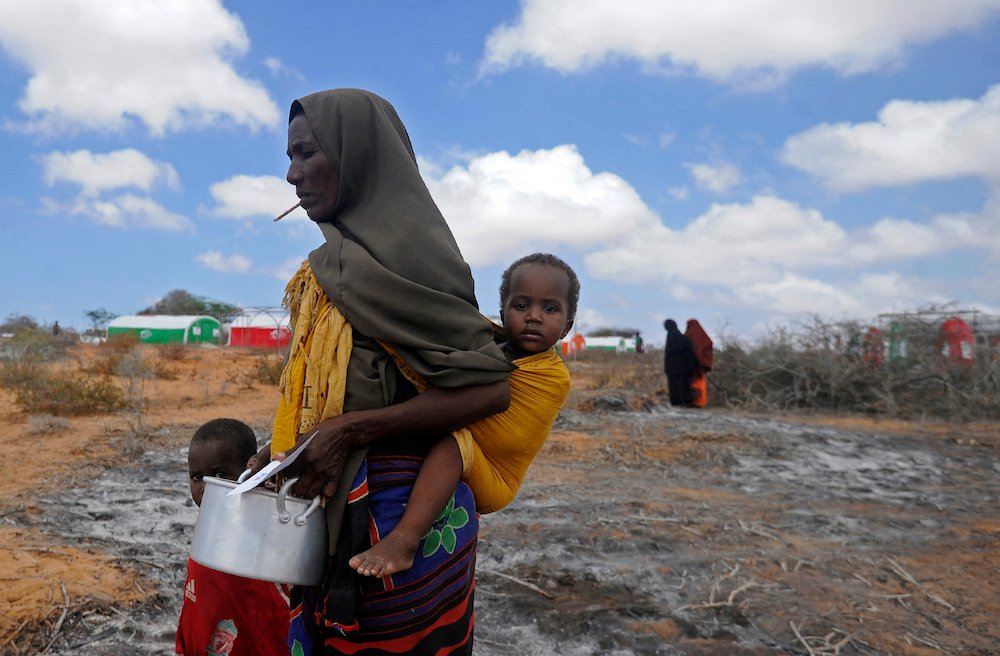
(221, 448)
(538, 298)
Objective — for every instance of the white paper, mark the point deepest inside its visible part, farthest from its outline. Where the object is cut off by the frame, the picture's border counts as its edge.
(270, 469)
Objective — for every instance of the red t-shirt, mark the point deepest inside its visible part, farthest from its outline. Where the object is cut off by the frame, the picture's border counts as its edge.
(227, 615)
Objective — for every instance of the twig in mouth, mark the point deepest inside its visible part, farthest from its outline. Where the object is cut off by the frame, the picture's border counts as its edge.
(288, 211)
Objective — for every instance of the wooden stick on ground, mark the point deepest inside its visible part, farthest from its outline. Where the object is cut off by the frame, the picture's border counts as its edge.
(719, 604)
(827, 648)
(530, 586)
(907, 577)
(62, 618)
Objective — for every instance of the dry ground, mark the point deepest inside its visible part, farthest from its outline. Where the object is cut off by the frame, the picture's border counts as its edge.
(641, 529)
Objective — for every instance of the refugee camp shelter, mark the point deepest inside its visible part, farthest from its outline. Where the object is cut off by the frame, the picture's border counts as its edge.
(260, 328)
(614, 343)
(165, 329)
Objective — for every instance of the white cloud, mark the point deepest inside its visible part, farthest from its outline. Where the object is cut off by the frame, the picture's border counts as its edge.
(911, 142)
(591, 319)
(96, 65)
(728, 245)
(500, 206)
(752, 42)
(247, 196)
(678, 193)
(123, 211)
(216, 261)
(279, 68)
(768, 254)
(865, 296)
(891, 238)
(717, 178)
(96, 173)
(288, 268)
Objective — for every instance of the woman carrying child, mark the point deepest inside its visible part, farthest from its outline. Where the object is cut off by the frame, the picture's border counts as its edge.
(388, 291)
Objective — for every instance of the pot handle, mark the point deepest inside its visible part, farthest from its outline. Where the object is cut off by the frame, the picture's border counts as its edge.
(283, 515)
(242, 477)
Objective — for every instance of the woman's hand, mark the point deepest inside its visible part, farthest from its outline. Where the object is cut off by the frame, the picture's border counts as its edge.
(433, 413)
(321, 464)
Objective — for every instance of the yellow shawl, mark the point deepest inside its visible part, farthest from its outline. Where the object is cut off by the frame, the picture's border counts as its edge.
(312, 384)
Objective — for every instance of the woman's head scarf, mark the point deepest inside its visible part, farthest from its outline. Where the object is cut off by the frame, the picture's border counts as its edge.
(390, 263)
(701, 343)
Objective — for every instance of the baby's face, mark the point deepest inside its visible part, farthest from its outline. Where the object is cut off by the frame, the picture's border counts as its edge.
(536, 310)
(210, 458)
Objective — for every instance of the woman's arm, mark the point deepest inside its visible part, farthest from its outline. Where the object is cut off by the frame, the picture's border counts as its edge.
(433, 413)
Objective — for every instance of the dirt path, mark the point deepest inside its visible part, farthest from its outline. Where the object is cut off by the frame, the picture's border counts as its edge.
(637, 533)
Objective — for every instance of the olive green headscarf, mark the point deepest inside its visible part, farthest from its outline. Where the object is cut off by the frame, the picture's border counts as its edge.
(390, 263)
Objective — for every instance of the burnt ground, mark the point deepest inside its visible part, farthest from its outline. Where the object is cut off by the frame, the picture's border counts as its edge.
(644, 532)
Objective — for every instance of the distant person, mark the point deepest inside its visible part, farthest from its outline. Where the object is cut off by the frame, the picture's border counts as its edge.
(679, 364)
(538, 299)
(639, 347)
(702, 345)
(224, 613)
(56, 329)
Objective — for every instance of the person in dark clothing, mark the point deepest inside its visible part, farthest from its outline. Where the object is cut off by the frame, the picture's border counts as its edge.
(679, 364)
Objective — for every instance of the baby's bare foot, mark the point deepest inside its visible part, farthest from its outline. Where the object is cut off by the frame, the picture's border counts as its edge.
(393, 553)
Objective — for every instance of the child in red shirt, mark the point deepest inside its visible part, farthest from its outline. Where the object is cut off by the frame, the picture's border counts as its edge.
(223, 614)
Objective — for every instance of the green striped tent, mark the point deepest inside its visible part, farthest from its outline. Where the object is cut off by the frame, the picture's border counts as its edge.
(165, 329)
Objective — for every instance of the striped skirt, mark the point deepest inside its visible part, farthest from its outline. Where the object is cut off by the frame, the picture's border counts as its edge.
(427, 609)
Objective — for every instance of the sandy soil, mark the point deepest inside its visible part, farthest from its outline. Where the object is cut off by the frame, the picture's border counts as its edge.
(642, 529)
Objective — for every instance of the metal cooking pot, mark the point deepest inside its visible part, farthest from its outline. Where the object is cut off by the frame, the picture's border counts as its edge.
(259, 534)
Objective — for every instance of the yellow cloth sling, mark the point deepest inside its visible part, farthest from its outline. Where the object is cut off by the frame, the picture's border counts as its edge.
(496, 451)
(500, 448)
(312, 384)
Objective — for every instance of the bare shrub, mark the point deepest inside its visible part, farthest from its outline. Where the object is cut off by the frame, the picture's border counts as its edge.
(110, 354)
(120, 342)
(266, 370)
(641, 372)
(808, 369)
(33, 341)
(132, 367)
(164, 371)
(21, 366)
(47, 424)
(172, 352)
(67, 395)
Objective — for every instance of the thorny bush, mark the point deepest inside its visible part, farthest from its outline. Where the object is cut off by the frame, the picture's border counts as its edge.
(805, 370)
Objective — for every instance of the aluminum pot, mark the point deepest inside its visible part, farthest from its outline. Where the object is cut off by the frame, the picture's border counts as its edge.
(260, 534)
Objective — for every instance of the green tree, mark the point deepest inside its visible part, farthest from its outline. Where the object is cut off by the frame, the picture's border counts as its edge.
(180, 302)
(100, 318)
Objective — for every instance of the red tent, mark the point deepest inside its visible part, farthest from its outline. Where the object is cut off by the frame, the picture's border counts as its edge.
(260, 329)
(957, 342)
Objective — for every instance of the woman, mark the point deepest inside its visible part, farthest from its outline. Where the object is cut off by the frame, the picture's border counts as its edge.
(384, 306)
(678, 364)
(702, 345)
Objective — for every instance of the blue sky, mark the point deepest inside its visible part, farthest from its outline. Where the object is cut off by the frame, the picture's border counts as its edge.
(750, 164)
